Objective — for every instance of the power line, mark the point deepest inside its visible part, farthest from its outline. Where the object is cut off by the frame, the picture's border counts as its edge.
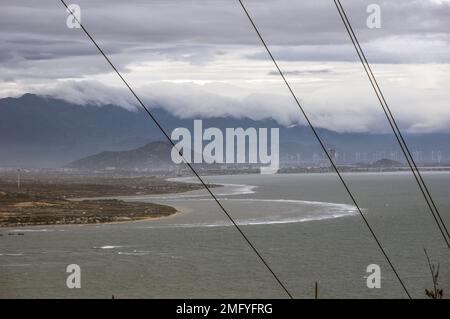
(173, 144)
(324, 148)
(390, 117)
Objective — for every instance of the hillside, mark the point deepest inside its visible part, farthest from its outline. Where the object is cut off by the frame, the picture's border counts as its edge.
(152, 155)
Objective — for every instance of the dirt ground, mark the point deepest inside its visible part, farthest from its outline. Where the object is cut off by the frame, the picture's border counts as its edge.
(44, 199)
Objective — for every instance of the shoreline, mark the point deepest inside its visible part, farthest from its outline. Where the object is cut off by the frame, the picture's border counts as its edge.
(18, 228)
(45, 204)
(68, 213)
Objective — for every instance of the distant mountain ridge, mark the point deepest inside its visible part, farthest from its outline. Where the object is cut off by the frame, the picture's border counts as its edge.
(154, 155)
(38, 131)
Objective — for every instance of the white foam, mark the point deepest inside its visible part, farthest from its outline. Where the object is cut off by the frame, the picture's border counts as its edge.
(36, 230)
(107, 247)
(134, 253)
(12, 255)
(239, 189)
(236, 189)
(330, 210)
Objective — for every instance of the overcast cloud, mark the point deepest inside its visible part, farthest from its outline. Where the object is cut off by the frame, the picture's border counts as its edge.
(201, 57)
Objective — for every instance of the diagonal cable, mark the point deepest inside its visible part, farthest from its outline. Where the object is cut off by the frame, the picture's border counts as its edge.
(324, 148)
(173, 144)
(392, 122)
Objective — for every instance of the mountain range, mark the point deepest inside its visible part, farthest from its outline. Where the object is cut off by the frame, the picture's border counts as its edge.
(38, 131)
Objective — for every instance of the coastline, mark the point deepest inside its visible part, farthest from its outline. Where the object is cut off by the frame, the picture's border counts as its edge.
(44, 204)
(62, 207)
(20, 228)
(87, 212)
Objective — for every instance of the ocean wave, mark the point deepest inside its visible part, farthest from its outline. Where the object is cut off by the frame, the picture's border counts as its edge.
(134, 253)
(236, 189)
(240, 189)
(308, 202)
(37, 230)
(330, 211)
(320, 210)
(11, 255)
(107, 247)
(254, 222)
(340, 206)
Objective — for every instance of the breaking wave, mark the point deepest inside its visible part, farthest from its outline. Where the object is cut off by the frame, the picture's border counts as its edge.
(107, 247)
(314, 211)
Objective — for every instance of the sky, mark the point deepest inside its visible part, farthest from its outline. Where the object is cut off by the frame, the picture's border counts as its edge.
(202, 58)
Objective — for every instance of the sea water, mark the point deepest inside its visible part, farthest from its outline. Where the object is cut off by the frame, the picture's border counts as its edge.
(304, 225)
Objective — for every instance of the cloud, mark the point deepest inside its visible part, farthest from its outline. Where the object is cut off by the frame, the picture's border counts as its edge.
(90, 93)
(333, 107)
(201, 57)
(301, 72)
(37, 30)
